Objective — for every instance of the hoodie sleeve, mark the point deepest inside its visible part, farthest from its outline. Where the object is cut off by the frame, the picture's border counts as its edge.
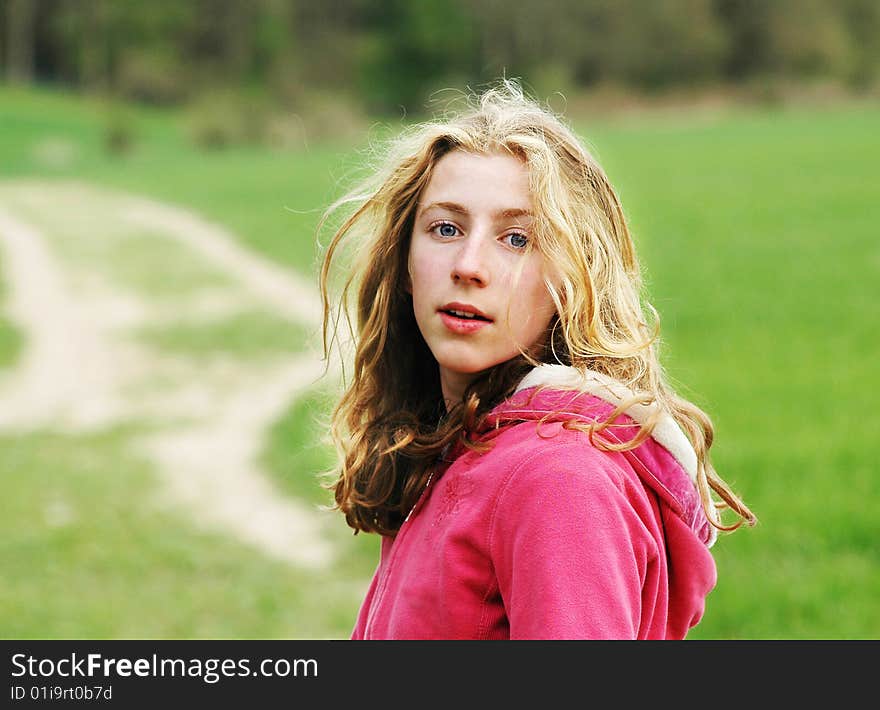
(570, 551)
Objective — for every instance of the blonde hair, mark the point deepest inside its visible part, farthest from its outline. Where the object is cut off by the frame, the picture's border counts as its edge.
(390, 424)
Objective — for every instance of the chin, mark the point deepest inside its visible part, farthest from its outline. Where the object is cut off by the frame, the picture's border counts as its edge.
(469, 367)
(463, 364)
(460, 369)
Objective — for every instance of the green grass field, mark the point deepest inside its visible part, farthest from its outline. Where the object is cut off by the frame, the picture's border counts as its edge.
(758, 235)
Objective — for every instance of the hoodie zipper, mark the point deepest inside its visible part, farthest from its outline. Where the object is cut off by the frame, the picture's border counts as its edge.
(380, 593)
(418, 502)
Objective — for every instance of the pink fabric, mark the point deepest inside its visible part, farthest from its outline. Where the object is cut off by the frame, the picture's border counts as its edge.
(546, 537)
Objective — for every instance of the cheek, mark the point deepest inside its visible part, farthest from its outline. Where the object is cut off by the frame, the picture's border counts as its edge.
(422, 273)
(530, 294)
(535, 309)
(539, 309)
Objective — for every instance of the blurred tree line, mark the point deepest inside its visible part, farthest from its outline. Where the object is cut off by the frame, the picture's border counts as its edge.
(388, 55)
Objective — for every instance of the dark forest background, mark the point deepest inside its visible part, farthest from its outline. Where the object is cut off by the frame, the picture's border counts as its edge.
(388, 57)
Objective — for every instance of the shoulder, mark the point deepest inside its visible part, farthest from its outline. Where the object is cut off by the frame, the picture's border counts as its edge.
(530, 446)
(547, 461)
(560, 487)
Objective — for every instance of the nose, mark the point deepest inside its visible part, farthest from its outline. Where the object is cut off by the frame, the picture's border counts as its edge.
(470, 265)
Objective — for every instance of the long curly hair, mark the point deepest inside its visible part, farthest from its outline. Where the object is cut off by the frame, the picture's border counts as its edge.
(391, 423)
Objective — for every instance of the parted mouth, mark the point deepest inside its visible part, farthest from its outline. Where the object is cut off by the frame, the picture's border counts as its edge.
(464, 310)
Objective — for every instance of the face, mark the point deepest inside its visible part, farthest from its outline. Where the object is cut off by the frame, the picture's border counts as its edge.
(478, 289)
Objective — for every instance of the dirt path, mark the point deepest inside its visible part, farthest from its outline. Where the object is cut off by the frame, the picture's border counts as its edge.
(81, 369)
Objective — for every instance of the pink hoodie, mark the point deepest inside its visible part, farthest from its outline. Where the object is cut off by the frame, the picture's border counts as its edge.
(546, 536)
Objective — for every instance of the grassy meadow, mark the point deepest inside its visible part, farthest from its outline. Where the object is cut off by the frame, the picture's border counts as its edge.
(757, 230)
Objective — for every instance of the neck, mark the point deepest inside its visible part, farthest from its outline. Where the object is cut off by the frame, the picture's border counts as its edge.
(453, 385)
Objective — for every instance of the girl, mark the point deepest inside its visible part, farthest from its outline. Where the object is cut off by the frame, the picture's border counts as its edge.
(508, 429)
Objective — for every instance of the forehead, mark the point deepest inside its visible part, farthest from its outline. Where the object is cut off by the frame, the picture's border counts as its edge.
(494, 182)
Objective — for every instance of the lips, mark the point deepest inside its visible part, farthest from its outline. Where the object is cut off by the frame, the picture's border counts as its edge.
(462, 318)
(464, 311)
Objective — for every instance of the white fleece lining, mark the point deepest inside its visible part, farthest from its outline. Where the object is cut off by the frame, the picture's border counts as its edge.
(667, 433)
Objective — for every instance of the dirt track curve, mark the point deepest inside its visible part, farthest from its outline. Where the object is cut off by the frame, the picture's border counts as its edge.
(72, 280)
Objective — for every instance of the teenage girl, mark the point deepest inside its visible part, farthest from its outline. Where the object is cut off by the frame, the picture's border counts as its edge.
(507, 428)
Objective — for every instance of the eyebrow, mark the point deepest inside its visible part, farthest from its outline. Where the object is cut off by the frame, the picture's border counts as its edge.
(461, 209)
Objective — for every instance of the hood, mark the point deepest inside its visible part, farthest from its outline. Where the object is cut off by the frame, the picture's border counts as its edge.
(666, 462)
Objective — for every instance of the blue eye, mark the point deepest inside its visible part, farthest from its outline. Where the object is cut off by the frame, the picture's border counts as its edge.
(517, 240)
(451, 229)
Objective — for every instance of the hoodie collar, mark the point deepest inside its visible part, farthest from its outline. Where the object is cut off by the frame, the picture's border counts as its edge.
(667, 433)
(562, 398)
